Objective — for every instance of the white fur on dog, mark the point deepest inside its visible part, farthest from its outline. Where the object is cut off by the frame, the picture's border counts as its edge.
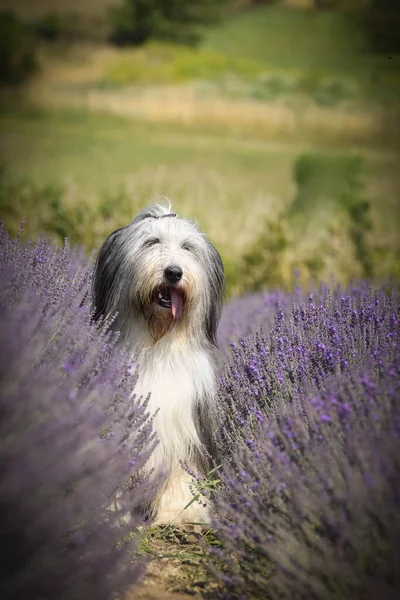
(170, 327)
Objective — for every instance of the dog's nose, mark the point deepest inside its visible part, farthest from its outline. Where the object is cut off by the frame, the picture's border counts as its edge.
(173, 274)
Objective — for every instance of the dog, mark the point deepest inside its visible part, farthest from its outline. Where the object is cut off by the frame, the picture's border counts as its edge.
(163, 283)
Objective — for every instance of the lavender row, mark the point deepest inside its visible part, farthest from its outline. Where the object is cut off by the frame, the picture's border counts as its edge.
(310, 446)
(73, 439)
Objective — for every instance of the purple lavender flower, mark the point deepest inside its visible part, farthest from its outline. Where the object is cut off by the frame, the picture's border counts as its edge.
(242, 317)
(73, 440)
(310, 508)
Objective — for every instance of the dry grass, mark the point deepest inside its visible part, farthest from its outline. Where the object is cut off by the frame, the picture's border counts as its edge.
(183, 105)
(75, 78)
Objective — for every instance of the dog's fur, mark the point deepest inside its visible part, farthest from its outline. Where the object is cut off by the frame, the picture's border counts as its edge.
(164, 281)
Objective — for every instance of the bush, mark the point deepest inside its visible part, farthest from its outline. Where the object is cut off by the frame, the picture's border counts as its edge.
(327, 90)
(328, 187)
(17, 50)
(50, 27)
(269, 87)
(136, 21)
(72, 438)
(382, 20)
(263, 264)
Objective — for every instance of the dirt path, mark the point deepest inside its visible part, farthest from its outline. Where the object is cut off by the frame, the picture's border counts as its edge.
(176, 570)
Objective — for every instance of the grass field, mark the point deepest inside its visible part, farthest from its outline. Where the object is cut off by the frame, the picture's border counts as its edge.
(101, 131)
(270, 73)
(290, 39)
(108, 167)
(228, 185)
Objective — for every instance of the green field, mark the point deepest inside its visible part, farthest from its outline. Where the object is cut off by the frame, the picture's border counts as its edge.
(214, 179)
(100, 131)
(103, 169)
(291, 39)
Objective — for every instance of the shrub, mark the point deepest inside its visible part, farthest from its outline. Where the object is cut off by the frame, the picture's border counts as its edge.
(329, 187)
(71, 26)
(17, 50)
(336, 179)
(382, 21)
(263, 262)
(50, 27)
(270, 86)
(310, 428)
(327, 90)
(72, 438)
(135, 21)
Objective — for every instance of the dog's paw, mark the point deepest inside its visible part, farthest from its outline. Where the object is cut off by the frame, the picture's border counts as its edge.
(195, 517)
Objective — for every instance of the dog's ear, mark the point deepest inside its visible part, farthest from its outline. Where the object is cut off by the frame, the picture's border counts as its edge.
(216, 293)
(105, 269)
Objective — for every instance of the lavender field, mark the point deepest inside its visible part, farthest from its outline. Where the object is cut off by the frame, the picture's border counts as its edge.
(307, 490)
(274, 125)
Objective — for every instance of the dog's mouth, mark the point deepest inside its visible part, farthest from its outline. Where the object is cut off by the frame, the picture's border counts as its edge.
(170, 298)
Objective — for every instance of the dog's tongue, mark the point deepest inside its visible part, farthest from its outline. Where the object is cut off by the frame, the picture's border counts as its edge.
(176, 304)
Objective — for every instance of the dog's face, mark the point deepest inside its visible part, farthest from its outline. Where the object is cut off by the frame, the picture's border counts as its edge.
(161, 267)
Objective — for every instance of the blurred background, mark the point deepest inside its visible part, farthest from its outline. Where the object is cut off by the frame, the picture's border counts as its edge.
(274, 124)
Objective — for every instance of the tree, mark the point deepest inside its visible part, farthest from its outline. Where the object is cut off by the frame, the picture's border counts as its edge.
(135, 21)
(17, 50)
(383, 25)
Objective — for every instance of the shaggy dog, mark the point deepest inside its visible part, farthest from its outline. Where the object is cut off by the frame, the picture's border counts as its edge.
(164, 281)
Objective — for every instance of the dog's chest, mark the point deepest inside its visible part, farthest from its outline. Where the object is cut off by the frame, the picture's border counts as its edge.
(176, 378)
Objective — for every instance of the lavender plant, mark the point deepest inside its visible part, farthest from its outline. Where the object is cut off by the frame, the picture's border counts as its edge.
(243, 316)
(309, 501)
(73, 439)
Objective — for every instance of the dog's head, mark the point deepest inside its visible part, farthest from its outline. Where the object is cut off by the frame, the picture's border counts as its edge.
(163, 268)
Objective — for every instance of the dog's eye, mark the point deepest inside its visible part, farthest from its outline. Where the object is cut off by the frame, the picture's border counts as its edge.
(151, 242)
(187, 246)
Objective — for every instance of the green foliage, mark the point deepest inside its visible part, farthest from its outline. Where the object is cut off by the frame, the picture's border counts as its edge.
(290, 39)
(160, 62)
(135, 21)
(165, 63)
(50, 27)
(327, 90)
(382, 21)
(360, 224)
(262, 264)
(17, 50)
(333, 178)
(329, 203)
(19, 195)
(271, 86)
(328, 186)
(50, 210)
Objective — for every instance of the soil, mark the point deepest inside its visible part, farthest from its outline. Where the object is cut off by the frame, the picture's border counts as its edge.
(176, 569)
